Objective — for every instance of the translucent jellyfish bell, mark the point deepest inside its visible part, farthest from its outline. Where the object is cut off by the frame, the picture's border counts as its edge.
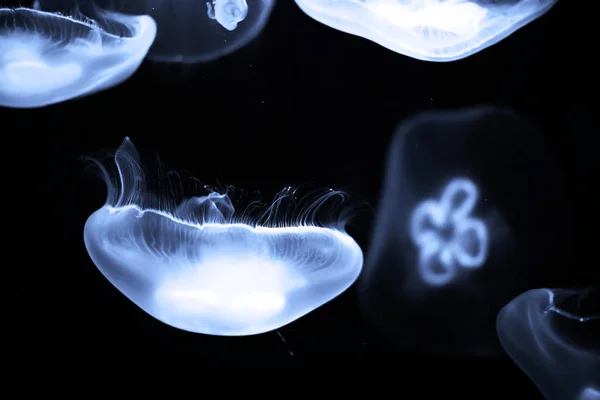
(190, 31)
(47, 58)
(195, 268)
(460, 229)
(555, 343)
(430, 30)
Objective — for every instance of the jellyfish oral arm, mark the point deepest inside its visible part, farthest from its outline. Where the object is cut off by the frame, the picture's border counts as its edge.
(228, 13)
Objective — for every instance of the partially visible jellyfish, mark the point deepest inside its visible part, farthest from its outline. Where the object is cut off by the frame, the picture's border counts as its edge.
(47, 58)
(472, 211)
(429, 30)
(551, 337)
(590, 393)
(198, 267)
(189, 31)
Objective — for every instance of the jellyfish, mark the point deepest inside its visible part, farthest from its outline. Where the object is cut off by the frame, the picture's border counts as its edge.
(198, 267)
(48, 58)
(429, 30)
(554, 340)
(460, 229)
(189, 31)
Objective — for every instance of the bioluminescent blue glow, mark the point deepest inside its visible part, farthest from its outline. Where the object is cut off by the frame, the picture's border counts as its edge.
(547, 335)
(197, 267)
(47, 58)
(430, 30)
(189, 31)
(460, 230)
(228, 13)
(589, 393)
(447, 235)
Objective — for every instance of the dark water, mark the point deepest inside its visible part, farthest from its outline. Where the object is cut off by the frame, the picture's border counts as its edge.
(302, 104)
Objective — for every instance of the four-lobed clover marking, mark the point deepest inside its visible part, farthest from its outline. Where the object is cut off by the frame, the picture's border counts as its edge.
(446, 234)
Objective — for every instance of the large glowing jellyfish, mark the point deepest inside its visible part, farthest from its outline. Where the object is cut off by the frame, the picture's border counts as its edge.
(430, 30)
(461, 229)
(549, 336)
(189, 31)
(198, 268)
(48, 58)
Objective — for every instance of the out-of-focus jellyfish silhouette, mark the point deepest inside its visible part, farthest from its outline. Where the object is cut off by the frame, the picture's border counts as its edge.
(47, 58)
(555, 341)
(473, 210)
(430, 30)
(189, 31)
(197, 267)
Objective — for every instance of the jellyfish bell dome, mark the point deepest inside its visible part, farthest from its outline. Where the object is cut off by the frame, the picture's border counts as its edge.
(429, 30)
(196, 269)
(189, 31)
(551, 336)
(48, 58)
(460, 230)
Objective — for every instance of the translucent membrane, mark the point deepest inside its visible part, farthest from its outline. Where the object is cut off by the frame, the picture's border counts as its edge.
(460, 230)
(47, 58)
(189, 31)
(430, 30)
(198, 268)
(558, 349)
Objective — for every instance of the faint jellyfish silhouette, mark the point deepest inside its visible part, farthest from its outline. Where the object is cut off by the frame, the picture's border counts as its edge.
(47, 58)
(189, 31)
(555, 343)
(460, 229)
(430, 30)
(200, 268)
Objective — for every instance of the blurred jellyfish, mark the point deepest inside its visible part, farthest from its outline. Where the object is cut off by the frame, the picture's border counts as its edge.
(589, 393)
(198, 268)
(189, 31)
(430, 30)
(460, 229)
(550, 336)
(48, 58)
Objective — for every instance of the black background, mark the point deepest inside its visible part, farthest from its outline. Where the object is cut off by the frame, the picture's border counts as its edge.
(302, 104)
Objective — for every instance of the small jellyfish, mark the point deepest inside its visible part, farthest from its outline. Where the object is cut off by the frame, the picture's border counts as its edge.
(47, 58)
(460, 229)
(429, 30)
(198, 267)
(189, 31)
(551, 337)
(228, 13)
